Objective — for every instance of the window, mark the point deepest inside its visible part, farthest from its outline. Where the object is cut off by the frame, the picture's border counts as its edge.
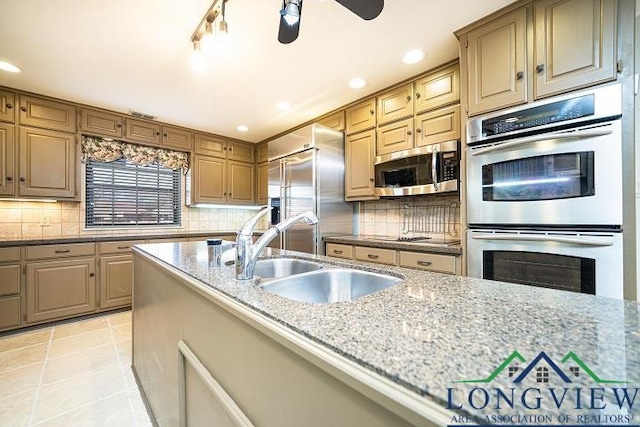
(121, 193)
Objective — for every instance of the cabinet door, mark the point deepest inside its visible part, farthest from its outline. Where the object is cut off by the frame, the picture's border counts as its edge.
(7, 160)
(574, 45)
(180, 139)
(335, 121)
(58, 289)
(209, 180)
(395, 137)
(438, 126)
(395, 104)
(497, 58)
(142, 132)
(241, 152)
(359, 160)
(101, 123)
(437, 89)
(210, 145)
(361, 116)
(7, 106)
(47, 114)
(10, 312)
(9, 279)
(262, 153)
(240, 182)
(47, 163)
(116, 278)
(262, 183)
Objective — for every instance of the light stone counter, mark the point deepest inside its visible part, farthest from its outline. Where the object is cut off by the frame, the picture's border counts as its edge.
(433, 331)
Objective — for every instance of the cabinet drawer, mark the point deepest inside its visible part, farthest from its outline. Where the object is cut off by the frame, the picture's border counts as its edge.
(9, 254)
(340, 251)
(9, 280)
(117, 247)
(9, 312)
(381, 256)
(432, 262)
(59, 251)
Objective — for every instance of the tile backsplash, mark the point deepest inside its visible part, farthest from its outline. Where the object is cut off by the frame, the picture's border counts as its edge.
(411, 216)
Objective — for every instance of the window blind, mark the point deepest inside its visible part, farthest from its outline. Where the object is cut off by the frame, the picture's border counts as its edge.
(121, 193)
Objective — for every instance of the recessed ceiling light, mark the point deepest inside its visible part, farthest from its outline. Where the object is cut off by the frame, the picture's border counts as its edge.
(357, 83)
(284, 106)
(242, 128)
(413, 56)
(7, 66)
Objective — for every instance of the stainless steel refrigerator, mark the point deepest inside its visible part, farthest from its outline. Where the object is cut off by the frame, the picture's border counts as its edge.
(306, 172)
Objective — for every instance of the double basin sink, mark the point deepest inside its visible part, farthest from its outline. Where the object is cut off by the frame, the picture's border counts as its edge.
(308, 281)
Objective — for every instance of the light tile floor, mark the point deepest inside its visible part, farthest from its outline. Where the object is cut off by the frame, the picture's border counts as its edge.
(71, 374)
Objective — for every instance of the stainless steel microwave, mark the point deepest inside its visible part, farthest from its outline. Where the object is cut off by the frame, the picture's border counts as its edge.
(430, 169)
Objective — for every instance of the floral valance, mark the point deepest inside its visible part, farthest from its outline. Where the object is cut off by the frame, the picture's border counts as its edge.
(105, 150)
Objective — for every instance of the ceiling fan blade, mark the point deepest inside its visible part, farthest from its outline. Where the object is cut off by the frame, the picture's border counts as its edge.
(288, 33)
(365, 9)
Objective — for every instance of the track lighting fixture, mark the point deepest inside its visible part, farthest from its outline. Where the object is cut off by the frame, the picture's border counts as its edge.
(207, 34)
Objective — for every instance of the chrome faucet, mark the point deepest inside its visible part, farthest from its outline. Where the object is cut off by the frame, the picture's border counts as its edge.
(247, 252)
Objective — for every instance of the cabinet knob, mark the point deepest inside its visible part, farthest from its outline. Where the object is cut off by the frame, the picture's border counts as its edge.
(92, 274)
(417, 95)
(519, 75)
(224, 194)
(408, 132)
(229, 194)
(157, 133)
(372, 179)
(23, 109)
(408, 98)
(540, 68)
(165, 135)
(118, 125)
(22, 179)
(372, 112)
(418, 130)
(9, 178)
(9, 106)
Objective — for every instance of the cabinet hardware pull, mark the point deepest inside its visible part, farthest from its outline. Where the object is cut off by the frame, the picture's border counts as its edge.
(372, 112)
(335, 251)
(23, 109)
(424, 263)
(372, 256)
(408, 132)
(92, 274)
(372, 179)
(408, 98)
(63, 251)
(165, 135)
(22, 179)
(157, 133)
(124, 247)
(9, 106)
(418, 130)
(9, 178)
(519, 75)
(418, 95)
(118, 125)
(540, 68)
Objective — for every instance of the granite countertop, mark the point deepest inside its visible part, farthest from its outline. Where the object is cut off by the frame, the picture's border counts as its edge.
(110, 238)
(383, 242)
(433, 331)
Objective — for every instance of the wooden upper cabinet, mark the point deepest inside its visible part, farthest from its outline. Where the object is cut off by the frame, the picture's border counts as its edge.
(395, 104)
(209, 180)
(262, 152)
(437, 89)
(262, 183)
(359, 171)
(335, 121)
(142, 131)
(361, 116)
(497, 63)
(241, 152)
(47, 163)
(7, 160)
(47, 114)
(396, 136)
(574, 44)
(240, 182)
(180, 139)
(438, 126)
(7, 106)
(101, 123)
(210, 145)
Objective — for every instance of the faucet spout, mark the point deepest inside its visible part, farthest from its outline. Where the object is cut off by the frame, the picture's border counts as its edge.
(246, 263)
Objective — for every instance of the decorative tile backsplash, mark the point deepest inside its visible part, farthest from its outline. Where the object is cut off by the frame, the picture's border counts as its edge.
(411, 217)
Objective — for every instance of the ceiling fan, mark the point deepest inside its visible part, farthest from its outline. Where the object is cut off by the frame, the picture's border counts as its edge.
(292, 9)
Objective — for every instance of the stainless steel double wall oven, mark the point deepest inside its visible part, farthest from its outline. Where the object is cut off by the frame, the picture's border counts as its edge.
(544, 193)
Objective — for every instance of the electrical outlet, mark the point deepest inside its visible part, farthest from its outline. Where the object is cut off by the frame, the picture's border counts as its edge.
(45, 220)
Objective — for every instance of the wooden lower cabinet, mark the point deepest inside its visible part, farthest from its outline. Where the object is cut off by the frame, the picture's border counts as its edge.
(116, 279)
(10, 312)
(57, 289)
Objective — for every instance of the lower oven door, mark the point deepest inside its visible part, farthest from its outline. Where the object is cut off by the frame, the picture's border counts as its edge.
(580, 262)
(564, 178)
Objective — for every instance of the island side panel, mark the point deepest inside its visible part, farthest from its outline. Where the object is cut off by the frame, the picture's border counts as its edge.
(271, 384)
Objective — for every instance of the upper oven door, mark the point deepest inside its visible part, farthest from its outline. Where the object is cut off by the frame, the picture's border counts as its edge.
(564, 178)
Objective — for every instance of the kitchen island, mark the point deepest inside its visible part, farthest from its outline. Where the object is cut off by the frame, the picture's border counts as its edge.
(432, 350)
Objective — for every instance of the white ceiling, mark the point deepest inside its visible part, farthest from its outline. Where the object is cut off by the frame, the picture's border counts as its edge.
(135, 55)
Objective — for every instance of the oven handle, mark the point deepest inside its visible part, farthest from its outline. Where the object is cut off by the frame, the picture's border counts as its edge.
(553, 135)
(434, 167)
(580, 240)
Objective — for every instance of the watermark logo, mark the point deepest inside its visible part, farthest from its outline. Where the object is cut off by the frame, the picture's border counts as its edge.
(562, 392)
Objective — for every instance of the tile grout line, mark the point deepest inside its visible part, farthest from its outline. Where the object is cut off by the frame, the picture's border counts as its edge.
(41, 422)
(122, 374)
(41, 380)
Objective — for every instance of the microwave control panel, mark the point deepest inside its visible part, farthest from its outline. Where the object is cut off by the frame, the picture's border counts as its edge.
(449, 166)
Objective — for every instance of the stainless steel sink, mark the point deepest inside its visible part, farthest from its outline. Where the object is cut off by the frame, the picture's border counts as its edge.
(283, 267)
(331, 285)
